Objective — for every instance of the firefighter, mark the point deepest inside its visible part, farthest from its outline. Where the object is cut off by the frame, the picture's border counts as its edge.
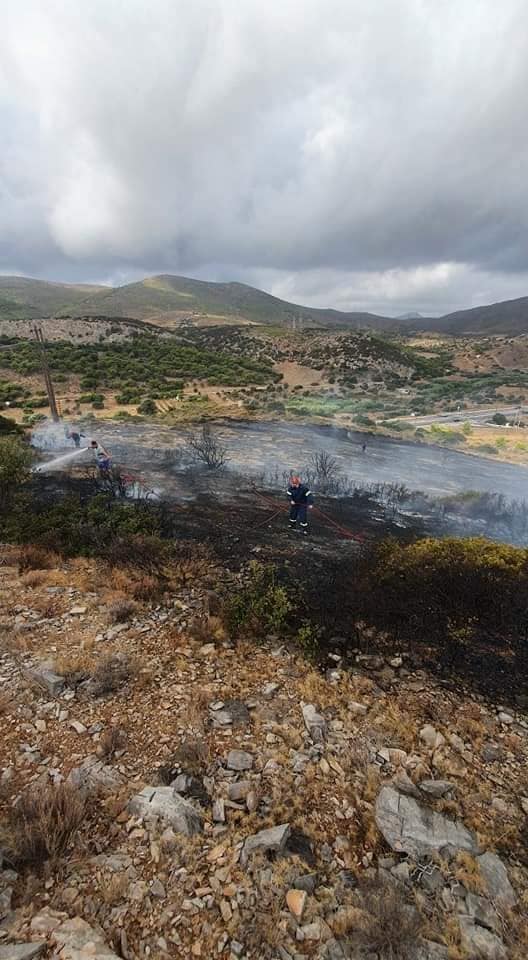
(301, 500)
(76, 437)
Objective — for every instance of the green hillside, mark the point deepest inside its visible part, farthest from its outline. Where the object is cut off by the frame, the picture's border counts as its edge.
(22, 297)
(156, 297)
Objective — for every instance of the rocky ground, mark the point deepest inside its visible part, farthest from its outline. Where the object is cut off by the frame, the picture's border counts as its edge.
(236, 801)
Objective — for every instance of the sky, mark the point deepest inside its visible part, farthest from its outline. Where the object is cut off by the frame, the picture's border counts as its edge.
(360, 154)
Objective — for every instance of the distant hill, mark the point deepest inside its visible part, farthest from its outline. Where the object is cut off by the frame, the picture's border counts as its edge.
(173, 298)
(22, 297)
(168, 300)
(509, 317)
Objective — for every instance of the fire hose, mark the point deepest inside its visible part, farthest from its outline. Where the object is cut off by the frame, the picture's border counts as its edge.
(342, 530)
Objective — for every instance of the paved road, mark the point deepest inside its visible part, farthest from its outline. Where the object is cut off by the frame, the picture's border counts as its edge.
(257, 447)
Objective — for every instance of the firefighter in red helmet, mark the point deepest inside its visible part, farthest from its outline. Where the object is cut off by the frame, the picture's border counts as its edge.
(301, 500)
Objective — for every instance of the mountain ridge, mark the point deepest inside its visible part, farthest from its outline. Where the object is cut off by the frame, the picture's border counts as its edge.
(172, 298)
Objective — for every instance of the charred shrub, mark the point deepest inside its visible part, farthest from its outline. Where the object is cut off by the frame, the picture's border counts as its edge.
(459, 605)
(261, 605)
(43, 824)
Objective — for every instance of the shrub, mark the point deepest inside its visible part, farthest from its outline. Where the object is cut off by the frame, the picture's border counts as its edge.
(262, 604)
(390, 928)
(499, 419)
(32, 557)
(110, 675)
(148, 408)
(15, 463)
(121, 610)
(43, 824)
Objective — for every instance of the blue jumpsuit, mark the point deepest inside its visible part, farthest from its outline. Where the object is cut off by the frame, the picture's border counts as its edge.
(300, 499)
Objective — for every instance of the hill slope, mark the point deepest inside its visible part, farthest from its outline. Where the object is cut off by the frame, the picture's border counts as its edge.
(170, 299)
(507, 317)
(157, 297)
(23, 298)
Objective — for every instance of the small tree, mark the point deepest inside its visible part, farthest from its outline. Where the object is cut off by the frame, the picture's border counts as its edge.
(326, 471)
(499, 419)
(15, 463)
(148, 408)
(205, 447)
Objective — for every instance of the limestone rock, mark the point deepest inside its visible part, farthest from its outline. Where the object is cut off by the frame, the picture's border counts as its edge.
(239, 760)
(314, 722)
(437, 788)
(47, 679)
(94, 776)
(22, 951)
(416, 830)
(272, 840)
(496, 879)
(76, 939)
(480, 943)
(232, 713)
(431, 737)
(163, 802)
(427, 950)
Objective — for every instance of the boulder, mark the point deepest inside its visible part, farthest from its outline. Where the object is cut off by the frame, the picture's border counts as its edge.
(76, 938)
(163, 802)
(437, 788)
(46, 678)
(314, 722)
(418, 831)
(496, 878)
(479, 942)
(232, 713)
(22, 951)
(428, 950)
(272, 840)
(94, 776)
(239, 760)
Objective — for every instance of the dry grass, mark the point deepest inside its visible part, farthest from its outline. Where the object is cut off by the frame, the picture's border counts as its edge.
(389, 928)
(32, 557)
(43, 825)
(34, 578)
(120, 611)
(192, 757)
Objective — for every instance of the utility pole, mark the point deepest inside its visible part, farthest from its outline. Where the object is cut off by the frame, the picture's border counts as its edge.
(46, 374)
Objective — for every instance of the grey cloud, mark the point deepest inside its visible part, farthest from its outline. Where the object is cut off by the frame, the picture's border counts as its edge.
(341, 149)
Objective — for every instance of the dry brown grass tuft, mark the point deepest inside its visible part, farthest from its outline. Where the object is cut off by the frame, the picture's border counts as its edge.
(34, 578)
(390, 928)
(192, 757)
(121, 610)
(32, 557)
(43, 825)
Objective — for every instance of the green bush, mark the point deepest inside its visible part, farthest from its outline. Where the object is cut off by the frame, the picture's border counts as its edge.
(148, 408)
(261, 606)
(15, 463)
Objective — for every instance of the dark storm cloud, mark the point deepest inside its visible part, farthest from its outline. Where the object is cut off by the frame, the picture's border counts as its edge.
(340, 151)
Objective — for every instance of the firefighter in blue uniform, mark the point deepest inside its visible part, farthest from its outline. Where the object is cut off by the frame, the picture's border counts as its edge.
(301, 500)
